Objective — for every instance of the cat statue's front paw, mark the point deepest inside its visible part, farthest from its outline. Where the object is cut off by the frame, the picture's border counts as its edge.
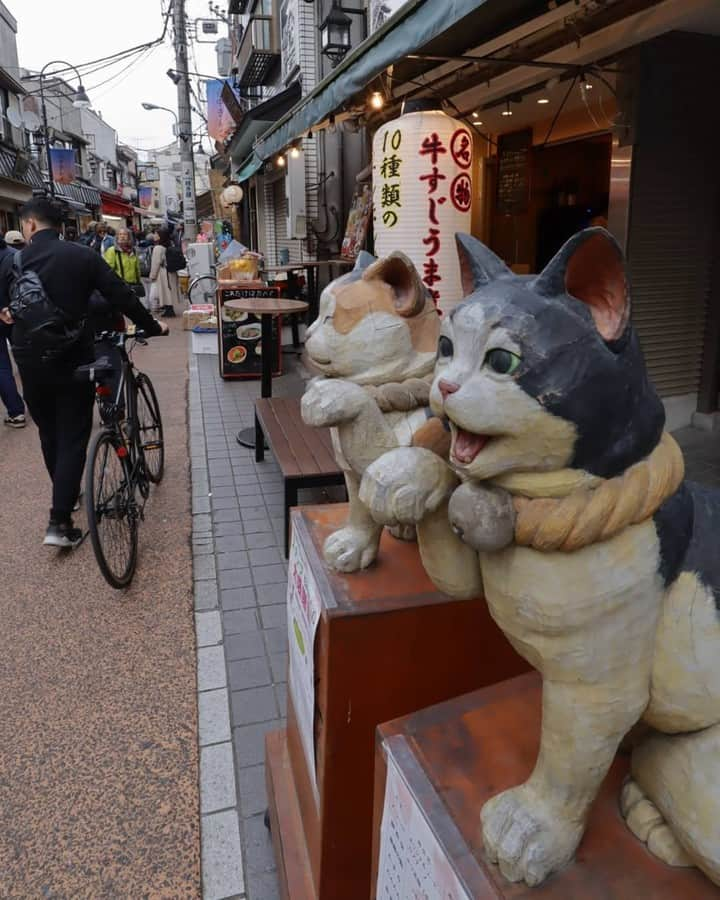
(352, 548)
(482, 516)
(526, 836)
(403, 485)
(332, 401)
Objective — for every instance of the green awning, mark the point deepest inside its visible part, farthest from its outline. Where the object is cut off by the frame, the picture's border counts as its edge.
(411, 28)
(249, 168)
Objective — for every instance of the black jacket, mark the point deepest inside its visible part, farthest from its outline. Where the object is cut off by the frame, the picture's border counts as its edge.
(70, 274)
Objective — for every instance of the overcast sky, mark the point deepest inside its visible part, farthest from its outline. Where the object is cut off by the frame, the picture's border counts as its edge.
(79, 31)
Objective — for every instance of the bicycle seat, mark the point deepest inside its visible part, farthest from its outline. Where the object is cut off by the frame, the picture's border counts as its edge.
(94, 370)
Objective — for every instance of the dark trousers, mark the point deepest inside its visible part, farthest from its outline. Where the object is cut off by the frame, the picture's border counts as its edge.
(63, 412)
(8, 389)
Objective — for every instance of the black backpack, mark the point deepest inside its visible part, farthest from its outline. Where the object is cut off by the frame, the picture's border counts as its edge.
(38, 324)
(174, 259)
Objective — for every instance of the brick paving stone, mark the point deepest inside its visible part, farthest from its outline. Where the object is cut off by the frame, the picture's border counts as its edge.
(249, 673)
(234, 559)
(238, 598)
(278, 667)
(213, 717)
(206, 594)
(269, 574)
(268, 594)
(254, 705)
(251, 787)
(265, 556)
(274, 616)
(235, 578)
(260, 540)
(237, 621)
(222, 869)
(217, 778)
(276, 640)
(245, 645)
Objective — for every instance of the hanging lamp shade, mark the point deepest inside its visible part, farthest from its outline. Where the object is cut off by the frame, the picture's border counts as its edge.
(423, 194)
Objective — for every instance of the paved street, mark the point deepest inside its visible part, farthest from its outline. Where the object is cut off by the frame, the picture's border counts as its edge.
(98, 769)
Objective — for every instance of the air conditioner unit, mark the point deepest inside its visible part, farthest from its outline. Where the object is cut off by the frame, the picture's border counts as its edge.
(295, 192)
(200, 259)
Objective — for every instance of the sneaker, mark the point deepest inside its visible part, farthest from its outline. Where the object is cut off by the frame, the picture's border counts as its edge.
(62, 534)
(15, 421)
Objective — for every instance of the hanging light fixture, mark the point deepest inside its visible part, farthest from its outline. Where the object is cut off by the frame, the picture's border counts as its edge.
(335, 34)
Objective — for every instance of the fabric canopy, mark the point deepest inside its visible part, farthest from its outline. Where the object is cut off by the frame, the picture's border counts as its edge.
(410, 29)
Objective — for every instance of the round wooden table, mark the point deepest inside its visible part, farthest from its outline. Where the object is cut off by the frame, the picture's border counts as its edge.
(266, 308)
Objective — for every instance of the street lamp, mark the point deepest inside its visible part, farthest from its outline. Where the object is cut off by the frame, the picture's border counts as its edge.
(335, 32)
(178, 133)
(80, 101)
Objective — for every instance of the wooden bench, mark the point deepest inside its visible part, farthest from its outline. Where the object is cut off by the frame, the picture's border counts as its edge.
(305, 454)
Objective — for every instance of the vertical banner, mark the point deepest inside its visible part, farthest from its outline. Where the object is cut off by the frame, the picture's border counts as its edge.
(221, 123)
(145, 196)
(289, 38)
(63, 165)
(422, 195)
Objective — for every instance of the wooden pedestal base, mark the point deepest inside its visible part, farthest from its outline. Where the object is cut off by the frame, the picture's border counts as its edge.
(386, 643)
(456, 755)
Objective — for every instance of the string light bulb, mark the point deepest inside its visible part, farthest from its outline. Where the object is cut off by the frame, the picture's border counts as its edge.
(377, 100)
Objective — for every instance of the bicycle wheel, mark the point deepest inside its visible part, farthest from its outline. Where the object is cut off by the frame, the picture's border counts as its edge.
(111, 511)
(202, 289)
(150, 428)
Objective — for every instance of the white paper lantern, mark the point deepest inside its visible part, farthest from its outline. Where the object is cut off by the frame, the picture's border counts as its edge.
(422, 195)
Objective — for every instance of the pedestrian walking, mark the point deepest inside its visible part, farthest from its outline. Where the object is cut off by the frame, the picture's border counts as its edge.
(123, 261)
(14, 240)
(9, 393)
(164, 275)
(56, 279)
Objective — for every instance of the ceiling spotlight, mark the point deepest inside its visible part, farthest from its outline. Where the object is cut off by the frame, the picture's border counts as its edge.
(377, 100)
(281, 161)
(543, 100)
(507, 111)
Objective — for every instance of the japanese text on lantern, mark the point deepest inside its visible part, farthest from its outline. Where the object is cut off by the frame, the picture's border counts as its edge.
(390, 198)
(438, 191)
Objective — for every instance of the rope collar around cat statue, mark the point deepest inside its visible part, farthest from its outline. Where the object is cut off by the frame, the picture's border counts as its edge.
(570, 509)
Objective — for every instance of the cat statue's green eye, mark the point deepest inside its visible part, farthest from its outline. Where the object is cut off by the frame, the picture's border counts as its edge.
(502, 361)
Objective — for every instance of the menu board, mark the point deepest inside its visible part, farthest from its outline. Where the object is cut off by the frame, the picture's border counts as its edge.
(412, 863)
(239, 335)
(513, 179)
(357, 224)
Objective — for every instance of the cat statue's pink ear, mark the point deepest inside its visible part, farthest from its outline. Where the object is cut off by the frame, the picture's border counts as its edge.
(478, 264)
(400, 274)
(590, 267)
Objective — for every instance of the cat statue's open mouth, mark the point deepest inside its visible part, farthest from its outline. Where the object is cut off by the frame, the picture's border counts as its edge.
(466, 445)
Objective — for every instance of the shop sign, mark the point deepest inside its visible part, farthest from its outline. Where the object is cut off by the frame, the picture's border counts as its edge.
(303, 611)
(422, 196)
(412, 863)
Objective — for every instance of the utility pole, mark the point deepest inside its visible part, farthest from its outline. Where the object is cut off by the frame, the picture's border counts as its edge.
(185, 130)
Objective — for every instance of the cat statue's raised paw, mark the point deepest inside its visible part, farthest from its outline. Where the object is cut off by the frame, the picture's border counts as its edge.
(374, 343)
(597, 559)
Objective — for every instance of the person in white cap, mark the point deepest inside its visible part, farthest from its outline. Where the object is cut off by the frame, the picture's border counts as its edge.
(14, 239)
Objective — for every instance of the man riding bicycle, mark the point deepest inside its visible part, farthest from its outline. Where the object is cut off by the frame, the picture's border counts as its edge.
(61, 405)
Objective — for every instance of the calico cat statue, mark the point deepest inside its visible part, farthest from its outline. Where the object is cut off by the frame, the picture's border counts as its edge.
(374, 341)
(598, 561)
